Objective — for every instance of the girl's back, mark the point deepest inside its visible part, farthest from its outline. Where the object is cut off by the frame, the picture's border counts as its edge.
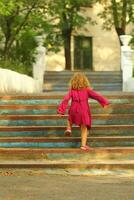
(79, 110)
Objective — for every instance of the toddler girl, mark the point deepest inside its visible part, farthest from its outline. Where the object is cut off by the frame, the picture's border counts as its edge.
(79, 110)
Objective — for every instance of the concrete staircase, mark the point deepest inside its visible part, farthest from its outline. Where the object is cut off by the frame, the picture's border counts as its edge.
(100, 81)
(32, 136)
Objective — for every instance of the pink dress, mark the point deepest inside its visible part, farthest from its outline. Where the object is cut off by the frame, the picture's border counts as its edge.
(79, 110)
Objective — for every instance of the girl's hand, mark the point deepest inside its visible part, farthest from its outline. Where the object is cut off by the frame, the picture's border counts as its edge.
(60, 114)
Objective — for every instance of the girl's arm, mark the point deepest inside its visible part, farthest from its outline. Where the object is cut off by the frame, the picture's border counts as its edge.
(63, 105)
(94, 95)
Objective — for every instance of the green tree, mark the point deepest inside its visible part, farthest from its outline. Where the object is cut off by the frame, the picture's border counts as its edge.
(20, 22)
(67, 17)
(13, 20)
(6, 7)
(117, 13)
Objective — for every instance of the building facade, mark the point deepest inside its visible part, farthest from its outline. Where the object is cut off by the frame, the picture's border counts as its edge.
(93, 48)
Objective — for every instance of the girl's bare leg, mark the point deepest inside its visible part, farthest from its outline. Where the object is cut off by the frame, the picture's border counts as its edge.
(69, 125)
(84, 133)
(68, 129)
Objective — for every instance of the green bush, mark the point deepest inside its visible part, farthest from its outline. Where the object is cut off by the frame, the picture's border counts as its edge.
(16, 66)
(22, 53)
(25, 48)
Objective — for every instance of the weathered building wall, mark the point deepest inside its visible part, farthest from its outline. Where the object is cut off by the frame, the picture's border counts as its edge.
(106, 47)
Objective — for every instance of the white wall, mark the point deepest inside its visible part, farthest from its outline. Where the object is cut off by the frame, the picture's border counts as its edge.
(12, 82)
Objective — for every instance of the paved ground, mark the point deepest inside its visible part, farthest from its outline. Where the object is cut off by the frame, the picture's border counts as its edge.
(56, 187)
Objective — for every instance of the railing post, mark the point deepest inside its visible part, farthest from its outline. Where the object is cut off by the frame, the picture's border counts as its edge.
(40, 62)
(126, 60)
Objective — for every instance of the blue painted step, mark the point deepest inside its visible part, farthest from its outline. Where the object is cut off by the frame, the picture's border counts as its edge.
(49, 126)
(52, 109)
(62, 122)
(65, 142)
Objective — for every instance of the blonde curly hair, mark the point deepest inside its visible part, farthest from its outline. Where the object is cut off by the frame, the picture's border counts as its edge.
(79, 81)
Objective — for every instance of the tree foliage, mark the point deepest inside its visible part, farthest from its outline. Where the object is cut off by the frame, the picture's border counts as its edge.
(117, 13)
(6, 7)
(14, 21)
(21, 20)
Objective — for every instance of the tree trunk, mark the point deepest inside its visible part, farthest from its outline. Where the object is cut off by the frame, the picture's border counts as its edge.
(124, 15)
(119, 27)
(7, 33)
(6, 51)
(120, 31)
(67, 48)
